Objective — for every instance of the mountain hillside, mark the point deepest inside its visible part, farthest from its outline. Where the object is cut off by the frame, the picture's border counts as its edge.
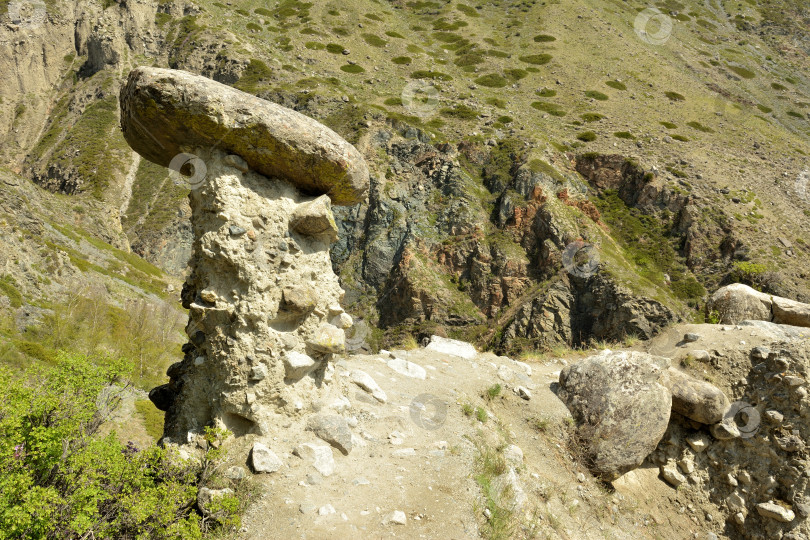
(672, 144)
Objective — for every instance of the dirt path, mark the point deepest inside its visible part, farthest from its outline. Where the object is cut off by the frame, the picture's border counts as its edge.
(424, 462)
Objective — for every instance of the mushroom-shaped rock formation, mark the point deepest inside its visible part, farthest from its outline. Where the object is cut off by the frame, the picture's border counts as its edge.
(261, 291)
(166, 112)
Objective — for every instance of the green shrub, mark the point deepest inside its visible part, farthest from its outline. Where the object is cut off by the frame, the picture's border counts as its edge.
(669, 125)
(537, 59)
(516, 74)
(546, 92)
(592, 117)
(674, 96)
(680, 138)
(595, 94)
(436, 75)
(467, 10)
(335, 48)
(616, 85)
(777, 86)
(374, 41)
(742, 71)
(314, 46)
(402, 60)
(460, 111)
(253, 27)
(624, 135)
(62, 479)
(352, 68)
(550, 108)
(544, 38)
(492, 80)
(764, 108)
(700, 127)
(393, 34)
(586, 136)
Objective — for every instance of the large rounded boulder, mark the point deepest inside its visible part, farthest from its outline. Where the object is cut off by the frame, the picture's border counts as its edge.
(621, 408)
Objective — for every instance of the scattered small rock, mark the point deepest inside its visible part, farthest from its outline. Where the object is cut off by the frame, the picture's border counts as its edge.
(775, 511)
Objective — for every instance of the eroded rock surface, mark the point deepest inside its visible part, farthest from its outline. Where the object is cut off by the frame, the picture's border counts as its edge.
(264, 304)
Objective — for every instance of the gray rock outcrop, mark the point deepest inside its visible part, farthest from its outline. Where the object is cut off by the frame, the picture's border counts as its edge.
(620, 406)
(264, 304)
(737, 302)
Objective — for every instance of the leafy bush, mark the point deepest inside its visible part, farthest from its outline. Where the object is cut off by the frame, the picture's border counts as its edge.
(757, 275)
(586, 136)
(61, 479)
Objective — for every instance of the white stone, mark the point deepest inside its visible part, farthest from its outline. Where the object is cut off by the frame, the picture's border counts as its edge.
(326, 510)
(319, 456)
(508, 489)
(297, 364)
(264, 460)
(672, 476)
(206, 496)
(698, 442)
(523, 393)
(397, 517)
(409, 369)
(367, 383)
(452, 347)
(513, 455)
(403, 452)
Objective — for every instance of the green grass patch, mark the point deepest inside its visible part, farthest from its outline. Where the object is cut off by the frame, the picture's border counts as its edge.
(586, 136)
(742, 71)
(668, 125)
(435, 75)
(544, 38)
(680, 138)
(373, 40)
(8, 288)
(492, 80)
(352, 68)
(674, 96)
(551, 108)
(617, 85)
(393, 34)
(314, 46)
(536, 59)
(152, 418)
(255, 78)
(597, 95)
(335, 48)
(624, 135)
(402, 60)
(467, 10)
(764, 108)
(460, 112)
(592, 117)
(700, 127)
